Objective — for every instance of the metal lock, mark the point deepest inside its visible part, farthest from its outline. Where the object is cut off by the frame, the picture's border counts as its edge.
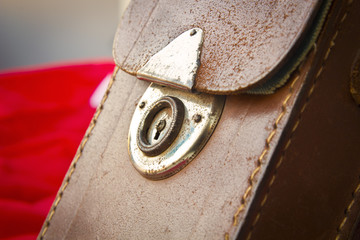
(170, 126)
(160, 125)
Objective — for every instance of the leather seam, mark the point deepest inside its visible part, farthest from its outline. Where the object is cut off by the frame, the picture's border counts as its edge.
(288, 143)
(262, 155)
(77, 157)
(346, 212)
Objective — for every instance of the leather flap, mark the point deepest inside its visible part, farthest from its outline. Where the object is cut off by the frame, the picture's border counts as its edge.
(245, 42)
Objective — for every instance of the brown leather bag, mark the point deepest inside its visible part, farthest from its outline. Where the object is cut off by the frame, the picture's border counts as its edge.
(283, 161)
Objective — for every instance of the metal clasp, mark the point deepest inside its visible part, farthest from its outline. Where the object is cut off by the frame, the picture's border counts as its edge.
(170, 126)
(176, 64)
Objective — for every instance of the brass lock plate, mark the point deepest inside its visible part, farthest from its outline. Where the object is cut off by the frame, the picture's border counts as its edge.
(169, 128)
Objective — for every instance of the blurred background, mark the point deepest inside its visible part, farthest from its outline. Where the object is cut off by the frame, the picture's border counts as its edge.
(47, 31)
(55, 64)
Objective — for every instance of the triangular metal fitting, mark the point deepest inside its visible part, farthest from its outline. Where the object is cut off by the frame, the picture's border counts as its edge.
(177, 64)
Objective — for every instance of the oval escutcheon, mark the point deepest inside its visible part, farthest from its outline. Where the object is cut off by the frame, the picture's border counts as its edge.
(169, 128)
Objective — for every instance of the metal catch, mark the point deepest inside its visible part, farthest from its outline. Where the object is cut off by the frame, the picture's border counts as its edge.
(169, 128)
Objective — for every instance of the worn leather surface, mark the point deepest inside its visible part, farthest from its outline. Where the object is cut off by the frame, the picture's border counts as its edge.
(316, 168)
(309, 198)
(250, 40)
(106, 198)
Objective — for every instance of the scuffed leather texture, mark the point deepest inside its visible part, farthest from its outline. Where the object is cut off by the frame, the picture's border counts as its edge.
(314, 192)
(245, 42)
(306, 135)
(107, 198)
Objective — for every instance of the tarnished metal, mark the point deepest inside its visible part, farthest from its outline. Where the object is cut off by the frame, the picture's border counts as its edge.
(201, 114)
(170, 126)
(176, 65)
(145, 141)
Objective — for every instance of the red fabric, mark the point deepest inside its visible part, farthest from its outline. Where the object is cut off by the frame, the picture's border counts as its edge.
(43, 116)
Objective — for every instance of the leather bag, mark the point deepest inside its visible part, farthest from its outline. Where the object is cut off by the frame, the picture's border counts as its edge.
(283, 161)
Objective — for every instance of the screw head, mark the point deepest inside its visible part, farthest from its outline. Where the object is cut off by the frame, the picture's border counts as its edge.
(197, 118)
(142, 105)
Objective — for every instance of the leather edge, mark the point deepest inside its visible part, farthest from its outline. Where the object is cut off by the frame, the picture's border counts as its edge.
(351, 209)
(77, 157)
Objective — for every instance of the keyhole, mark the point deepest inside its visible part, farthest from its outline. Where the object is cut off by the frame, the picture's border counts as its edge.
(159, 127)
(157, 134)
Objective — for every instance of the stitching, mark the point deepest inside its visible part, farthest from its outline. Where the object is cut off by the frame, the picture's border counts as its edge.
(318, 74)
(268, 140)
(281, 159)
(76, 159)
(347, 210)
(226, 236)
(357, 189)
(260, 159)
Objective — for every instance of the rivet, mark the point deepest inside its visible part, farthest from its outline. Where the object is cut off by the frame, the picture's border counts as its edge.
(197, 118)
(193, 32)
(142, 105)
